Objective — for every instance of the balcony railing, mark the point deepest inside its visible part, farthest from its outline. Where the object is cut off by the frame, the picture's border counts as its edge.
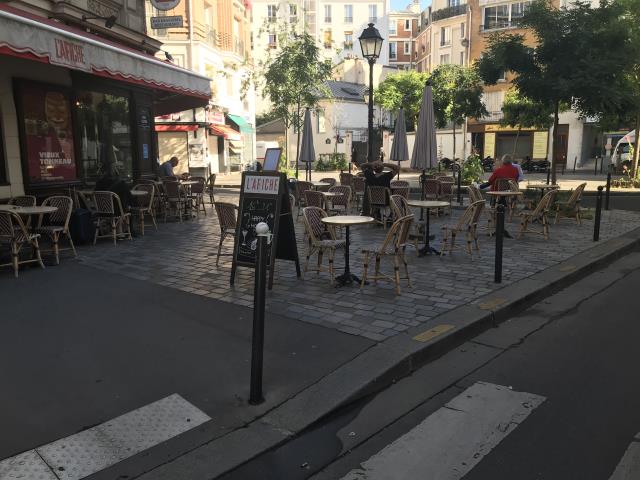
(500, 25)
(348, 19)
(448, 12)
(493, 116)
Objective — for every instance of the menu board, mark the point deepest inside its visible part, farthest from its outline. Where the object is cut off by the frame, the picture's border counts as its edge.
(48, 133)
(540, 142)
(264, 197)
(489, 145)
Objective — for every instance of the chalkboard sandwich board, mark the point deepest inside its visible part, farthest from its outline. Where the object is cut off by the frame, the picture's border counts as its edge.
(264, 197)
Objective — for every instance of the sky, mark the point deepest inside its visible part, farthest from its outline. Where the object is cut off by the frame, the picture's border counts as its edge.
(402, 4)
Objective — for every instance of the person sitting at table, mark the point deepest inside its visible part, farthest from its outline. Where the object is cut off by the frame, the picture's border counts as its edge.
(166, 169)
(520, 172)
(375, 175)
(507, 170)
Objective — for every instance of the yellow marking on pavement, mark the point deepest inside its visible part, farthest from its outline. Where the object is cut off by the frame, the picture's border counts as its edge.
(568, 268)
(433, 332)
(493, 303)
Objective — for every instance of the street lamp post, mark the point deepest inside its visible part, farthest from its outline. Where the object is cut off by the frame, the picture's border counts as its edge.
(371, 45)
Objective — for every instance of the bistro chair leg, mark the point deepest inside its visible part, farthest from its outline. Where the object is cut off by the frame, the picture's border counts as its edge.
(377, 271)
(37, 251)
(331, 251)
(114, 232)
(320, 252)
(219, 249)
(406, 267)
(56, 249)
(365, 269)
(396, 272)
(73, 247)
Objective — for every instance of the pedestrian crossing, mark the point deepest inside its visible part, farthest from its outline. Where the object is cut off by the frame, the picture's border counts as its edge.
(455, 438)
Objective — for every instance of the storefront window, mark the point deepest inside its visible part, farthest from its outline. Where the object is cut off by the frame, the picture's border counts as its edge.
(47, 133)
(104, 133)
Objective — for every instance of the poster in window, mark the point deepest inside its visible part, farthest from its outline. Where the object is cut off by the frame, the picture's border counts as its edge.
(48, 134)
(490, 145)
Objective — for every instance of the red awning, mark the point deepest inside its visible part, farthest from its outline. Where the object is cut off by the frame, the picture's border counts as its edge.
(226, 132)
(176, 128)
(25, 35)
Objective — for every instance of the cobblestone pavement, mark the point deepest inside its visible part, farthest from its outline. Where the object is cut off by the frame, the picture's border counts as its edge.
(183, 256)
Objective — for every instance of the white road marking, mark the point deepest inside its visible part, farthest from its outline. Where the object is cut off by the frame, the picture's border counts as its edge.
(452, 440)
(629, 466)
(97, 448)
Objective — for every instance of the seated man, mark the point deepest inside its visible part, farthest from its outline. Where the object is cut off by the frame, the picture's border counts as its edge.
(375, 175)
(507, 170)
(166, 169)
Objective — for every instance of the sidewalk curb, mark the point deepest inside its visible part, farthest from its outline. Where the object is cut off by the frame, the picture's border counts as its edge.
(385, 363)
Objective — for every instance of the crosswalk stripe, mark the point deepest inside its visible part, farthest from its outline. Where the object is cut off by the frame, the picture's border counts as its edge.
(97, 448)
(629, 466)
(452, 440)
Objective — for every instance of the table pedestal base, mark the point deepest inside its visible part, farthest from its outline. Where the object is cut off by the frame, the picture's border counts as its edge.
(347, 279)
(427, 250)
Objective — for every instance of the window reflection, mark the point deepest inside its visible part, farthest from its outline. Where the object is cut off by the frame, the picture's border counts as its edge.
(105, 135)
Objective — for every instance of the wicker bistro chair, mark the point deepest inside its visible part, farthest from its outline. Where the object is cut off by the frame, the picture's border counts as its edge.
(23, 201)
(400, 209)
(301, 187)
(379, 202)
(228, 219)
(57, 224)
(14, 233)
(110, 215)
(144, 205)
(394, 244)
(209, 186)
(196, 194)
(400, 187)
(331, 181)
(447, 178)
(346, 179)
(539, 215)
(175, 198)
(431, 189)
(341, 204)
(359, 187)
(467, 224)
(571, 208)
(314, 199)
(320, 239)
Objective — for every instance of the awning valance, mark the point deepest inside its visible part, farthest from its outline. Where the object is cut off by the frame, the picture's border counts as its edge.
(175, 127)
(37, 38)
(226, 132)
(243, 125)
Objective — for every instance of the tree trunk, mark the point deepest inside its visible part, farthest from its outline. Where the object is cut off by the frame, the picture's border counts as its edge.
(515, 144)
(454, 141)
(636, 150)
(554, 142)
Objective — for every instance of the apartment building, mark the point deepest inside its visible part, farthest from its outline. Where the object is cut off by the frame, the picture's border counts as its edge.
(79, 89)
(215, 41)
(335, 25)
(422, 42)
(403, 30)
(449, 32)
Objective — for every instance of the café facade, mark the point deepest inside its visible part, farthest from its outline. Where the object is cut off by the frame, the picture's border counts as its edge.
(75, 105)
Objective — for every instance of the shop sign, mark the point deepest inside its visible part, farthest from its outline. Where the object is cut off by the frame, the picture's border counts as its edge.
(165, 5)
(489, 145)
(508, 128)
(69, 54)
(48, 133)
(540, 142)
(216, 118)
(174, 21)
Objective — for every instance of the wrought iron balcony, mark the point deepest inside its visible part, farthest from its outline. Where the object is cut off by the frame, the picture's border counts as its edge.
(448, 12)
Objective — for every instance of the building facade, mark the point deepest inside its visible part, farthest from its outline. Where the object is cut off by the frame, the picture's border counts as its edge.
(403, 30)
(335, 26)
(215, 41)
(79, 90)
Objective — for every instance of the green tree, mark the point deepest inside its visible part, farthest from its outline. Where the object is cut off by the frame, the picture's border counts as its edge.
(522, 112)
(457, 95)
(402, 89)
(576, 60)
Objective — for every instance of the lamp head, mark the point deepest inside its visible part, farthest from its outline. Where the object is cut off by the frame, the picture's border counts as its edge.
(371, 43)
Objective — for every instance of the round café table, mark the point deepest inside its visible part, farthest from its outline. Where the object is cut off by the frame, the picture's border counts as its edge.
(543, 187)
(37, 210)
(329, 196)
(427, 205)
(502, 200)
(346, 221)
(318, 185)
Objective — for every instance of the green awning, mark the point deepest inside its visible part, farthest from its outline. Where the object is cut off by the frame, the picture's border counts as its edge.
(241, 122)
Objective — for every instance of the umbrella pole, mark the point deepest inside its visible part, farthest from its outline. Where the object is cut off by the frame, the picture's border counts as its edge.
(398, 169)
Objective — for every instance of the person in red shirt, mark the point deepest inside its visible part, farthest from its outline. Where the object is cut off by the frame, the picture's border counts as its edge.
(507, 170)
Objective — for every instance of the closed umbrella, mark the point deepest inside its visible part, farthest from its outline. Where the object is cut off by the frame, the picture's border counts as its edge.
(424, 149)
(399, 148)
(307, 151)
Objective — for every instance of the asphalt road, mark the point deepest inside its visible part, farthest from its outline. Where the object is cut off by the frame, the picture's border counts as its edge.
(575, 354)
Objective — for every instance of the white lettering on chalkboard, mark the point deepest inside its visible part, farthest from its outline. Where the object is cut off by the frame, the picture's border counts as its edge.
(264, 185)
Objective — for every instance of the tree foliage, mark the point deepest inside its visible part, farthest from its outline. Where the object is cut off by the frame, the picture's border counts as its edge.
(403, 89)
(457, 94)
(520, 111)
(576, 59)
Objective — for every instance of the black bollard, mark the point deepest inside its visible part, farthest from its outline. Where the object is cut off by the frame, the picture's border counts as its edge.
(548, 174)
(608, 190)
(497, 276)
(257, 341)
(595, 168)
(596, 225)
